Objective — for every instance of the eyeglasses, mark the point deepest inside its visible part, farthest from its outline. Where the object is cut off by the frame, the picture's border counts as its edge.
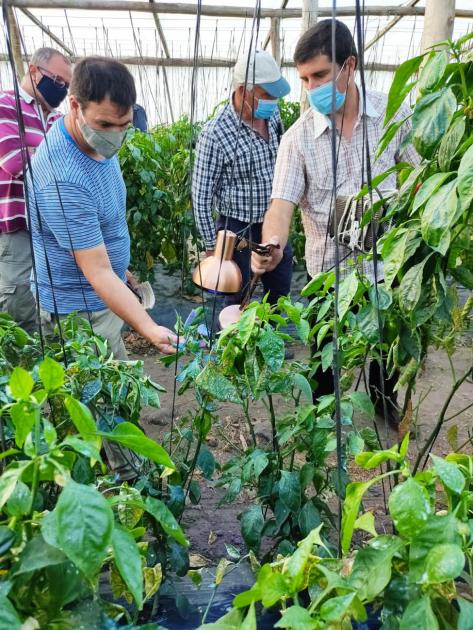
(59, 81)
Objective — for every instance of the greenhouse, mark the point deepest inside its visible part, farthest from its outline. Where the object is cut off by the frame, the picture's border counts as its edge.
(236, 315)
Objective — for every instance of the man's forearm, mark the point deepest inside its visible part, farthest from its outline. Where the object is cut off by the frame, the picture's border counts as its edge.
(277, 221)
(119, 299)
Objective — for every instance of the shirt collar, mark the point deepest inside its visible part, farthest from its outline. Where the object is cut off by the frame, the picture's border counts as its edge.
(322, 122)
(24, 95)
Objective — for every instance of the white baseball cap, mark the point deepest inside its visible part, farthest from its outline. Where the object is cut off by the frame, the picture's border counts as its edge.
(262, 70)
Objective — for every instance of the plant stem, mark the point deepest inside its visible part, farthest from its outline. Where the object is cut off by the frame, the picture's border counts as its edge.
(250, 424)
(441, 419)
(274, 430)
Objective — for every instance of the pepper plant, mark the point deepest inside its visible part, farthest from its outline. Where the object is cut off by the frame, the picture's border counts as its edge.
(407, 579)
(64, 517)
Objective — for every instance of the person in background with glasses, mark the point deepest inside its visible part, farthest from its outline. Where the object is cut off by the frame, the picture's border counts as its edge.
(42, 90)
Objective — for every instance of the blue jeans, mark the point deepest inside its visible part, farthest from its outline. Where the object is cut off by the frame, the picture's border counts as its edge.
(276, 282)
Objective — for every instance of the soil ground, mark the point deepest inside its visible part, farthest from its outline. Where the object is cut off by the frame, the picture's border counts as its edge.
(209, 526)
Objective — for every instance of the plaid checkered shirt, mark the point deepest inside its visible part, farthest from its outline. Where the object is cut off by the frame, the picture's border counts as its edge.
(233, 171)
(303, 172)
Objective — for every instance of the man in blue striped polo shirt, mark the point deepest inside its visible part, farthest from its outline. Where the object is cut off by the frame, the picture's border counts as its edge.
(77, 203)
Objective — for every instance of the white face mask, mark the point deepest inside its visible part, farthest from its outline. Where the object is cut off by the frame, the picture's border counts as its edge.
(105, 143)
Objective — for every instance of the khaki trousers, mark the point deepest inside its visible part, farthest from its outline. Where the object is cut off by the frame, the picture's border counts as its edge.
(15, 272)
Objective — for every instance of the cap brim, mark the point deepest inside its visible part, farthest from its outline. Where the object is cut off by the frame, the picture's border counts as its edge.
(278, 88)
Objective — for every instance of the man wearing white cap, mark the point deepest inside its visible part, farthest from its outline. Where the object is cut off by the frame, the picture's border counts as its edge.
(234, 166)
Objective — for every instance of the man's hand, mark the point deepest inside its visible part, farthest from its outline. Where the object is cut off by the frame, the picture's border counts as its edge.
(209, 252)
(262, 264)
(164, 340)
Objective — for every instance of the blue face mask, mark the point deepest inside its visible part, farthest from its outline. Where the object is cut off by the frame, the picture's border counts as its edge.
(265, 108)
(320, 98)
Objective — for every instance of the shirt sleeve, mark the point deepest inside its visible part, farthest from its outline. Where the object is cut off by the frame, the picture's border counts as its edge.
(405, 153)
(289, 172)
(208, 166)
(70, 213)
(11, 159)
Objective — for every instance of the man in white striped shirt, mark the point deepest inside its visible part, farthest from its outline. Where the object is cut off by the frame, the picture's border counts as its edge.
(303, 174)
(41, 91)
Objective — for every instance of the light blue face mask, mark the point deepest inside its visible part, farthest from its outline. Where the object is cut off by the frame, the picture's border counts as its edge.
(265, 109)
(321, 98)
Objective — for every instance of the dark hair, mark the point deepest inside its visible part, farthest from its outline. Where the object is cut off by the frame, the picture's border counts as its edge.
(97, 78)
(317, 40)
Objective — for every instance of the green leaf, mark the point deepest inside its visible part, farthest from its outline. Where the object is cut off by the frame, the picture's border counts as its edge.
(336, 608)
(297, 563)
(271, 347)
(366, 522)
(437, 217)
(84, 522)
(309, 518)
(246, 324)
(51, 373)
(371, 571)
(295, 617)
(433, 71)
(20, 500)
(9, 618)
(351, 506)
(384, 141)
(438, 530)
(465, 179)
(129, 435)
(251, 523)
(9, 478)
(38, 554)
(7, 540)
(217, 385)
(87, 449)
(410, 507)
(290, 490)
(24, 414)
(21, 384)
(327, 356)
(166, 519)
(273, 587)
(411, 286)
(249, 622)
(355, 443)
(444, 563)
(206, 462)
(428, 188)
(372, 459)
(450, 143)
(431, 119)
(400, 87)
(346, 294)
(465, 619)
(231, 621)
(128, 561)
(83, 420)
(450, 474)
(303, 384)
(362, 401)
(419, 615)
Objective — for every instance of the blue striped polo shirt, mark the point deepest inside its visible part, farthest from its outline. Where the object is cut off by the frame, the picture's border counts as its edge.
(75, 202)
